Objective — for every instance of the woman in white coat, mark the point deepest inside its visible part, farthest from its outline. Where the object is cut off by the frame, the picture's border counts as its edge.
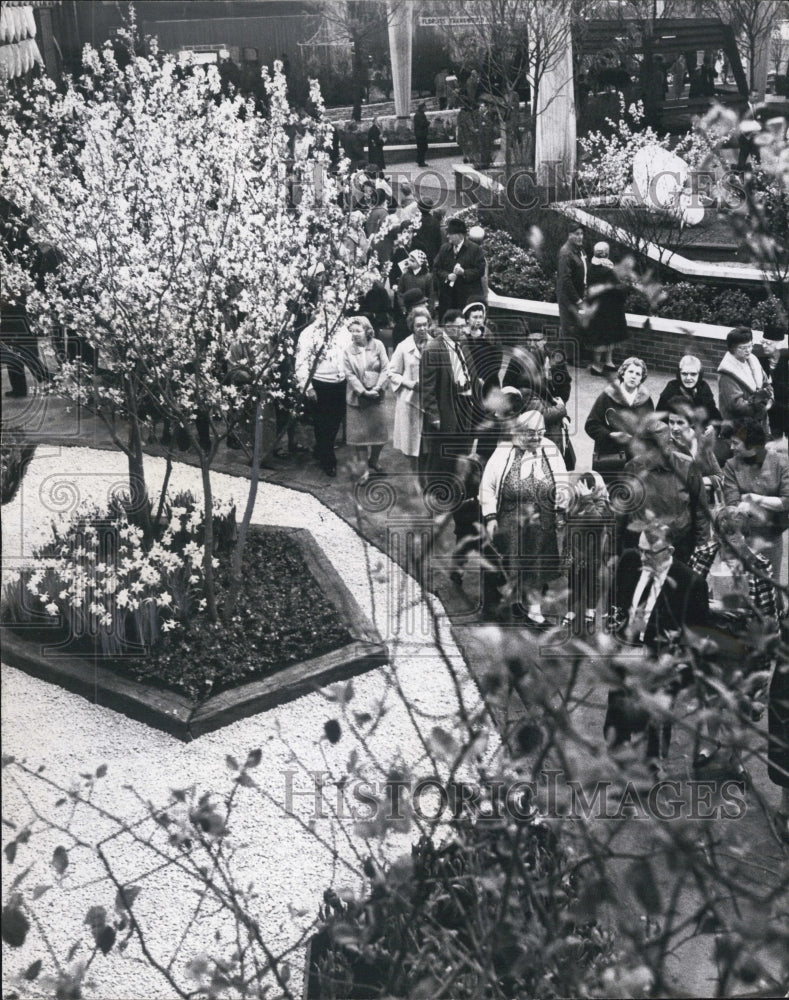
(404, 379)
(524, 497)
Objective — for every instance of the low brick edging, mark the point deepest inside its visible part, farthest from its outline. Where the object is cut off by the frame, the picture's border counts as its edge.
(659, 341)
(186, 718)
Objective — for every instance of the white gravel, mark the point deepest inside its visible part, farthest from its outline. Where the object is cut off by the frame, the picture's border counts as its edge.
(69, 736)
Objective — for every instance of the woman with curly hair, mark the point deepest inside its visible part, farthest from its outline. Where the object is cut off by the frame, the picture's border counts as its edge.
(615, 416)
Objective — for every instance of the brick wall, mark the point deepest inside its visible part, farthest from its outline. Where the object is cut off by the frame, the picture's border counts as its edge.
(661, 350)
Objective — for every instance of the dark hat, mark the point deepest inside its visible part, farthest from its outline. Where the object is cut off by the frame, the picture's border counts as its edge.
(412, 298)
(426, 205)
(455, 225)
(774, 333)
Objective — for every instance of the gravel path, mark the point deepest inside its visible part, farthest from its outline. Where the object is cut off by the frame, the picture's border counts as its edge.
(69, 736)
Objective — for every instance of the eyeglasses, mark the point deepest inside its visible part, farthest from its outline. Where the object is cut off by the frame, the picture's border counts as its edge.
(653, 552)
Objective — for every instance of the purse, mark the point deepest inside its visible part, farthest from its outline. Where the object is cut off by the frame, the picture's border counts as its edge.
(613, 461)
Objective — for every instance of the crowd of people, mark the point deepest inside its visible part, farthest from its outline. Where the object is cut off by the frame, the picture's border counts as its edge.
(678, 524)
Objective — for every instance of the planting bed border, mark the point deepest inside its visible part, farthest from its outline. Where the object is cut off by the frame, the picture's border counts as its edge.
(186, 718)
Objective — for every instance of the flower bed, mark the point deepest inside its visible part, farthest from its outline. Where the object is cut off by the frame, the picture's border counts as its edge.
(153, 654)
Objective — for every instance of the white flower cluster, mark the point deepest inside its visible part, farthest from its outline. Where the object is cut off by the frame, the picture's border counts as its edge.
(94, 573)
(607, 166)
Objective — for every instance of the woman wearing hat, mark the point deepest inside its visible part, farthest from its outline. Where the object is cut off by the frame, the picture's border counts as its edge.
(416, 275)
(605, 297)
(458, 269)
(524, 512)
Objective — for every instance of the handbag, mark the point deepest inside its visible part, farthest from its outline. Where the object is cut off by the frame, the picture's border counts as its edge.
(612, 461)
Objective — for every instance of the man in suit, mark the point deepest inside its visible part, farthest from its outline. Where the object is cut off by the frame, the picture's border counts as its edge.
(458, 269)
(543, 379)
(654, 598)
(447, 377)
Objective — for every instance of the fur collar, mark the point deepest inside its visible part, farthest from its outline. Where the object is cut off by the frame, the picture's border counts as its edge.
(740, 370)
(614, 391)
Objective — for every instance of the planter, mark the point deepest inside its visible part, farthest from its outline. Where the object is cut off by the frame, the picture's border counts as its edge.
(186, 718)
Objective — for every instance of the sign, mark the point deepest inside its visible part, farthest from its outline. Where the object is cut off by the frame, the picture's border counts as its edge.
(446, 21)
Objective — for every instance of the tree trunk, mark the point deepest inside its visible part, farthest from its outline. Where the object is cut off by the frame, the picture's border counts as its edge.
(208, 551)
(358, 83)
(140, 511)
(241, 540)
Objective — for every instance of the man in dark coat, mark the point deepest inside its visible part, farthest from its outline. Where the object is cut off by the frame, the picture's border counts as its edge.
(774, 359)
(486, 357)
(447, 378)
(653, 599)
(543, 380)
(458, 269)
(689, 384)
(428, 237)
(571, 282)
(353, 144)
(421, 131)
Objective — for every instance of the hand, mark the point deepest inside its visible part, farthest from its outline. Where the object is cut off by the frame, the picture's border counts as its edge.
(621, 437)
(492, 528)
(435, 424)
(310, 393)
(372, 392)
(457, 269)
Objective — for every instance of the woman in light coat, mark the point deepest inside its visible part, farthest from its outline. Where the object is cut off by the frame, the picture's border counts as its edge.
(366, 373)
(524, 512)
(404, 379)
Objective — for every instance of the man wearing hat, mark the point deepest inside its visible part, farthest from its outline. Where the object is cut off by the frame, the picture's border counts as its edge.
(458, 269)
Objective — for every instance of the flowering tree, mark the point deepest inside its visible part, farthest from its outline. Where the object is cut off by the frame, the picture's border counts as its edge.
(187, 234)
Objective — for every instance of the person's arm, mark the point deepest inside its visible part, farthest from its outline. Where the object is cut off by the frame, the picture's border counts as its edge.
(443, 264)
(396, 370)
(595, 425)
(561, 380)
(697, 609)
(731, 488)
(699, 507)
(777, 503)
(733, 399)
(489, 487)
(383, 361)
(474, 267)
(428, 377)
(351, 376)
(707, 400)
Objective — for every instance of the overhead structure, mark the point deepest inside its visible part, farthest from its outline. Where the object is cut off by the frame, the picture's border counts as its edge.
(19, 51)
(400, 18)
(555, 138)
